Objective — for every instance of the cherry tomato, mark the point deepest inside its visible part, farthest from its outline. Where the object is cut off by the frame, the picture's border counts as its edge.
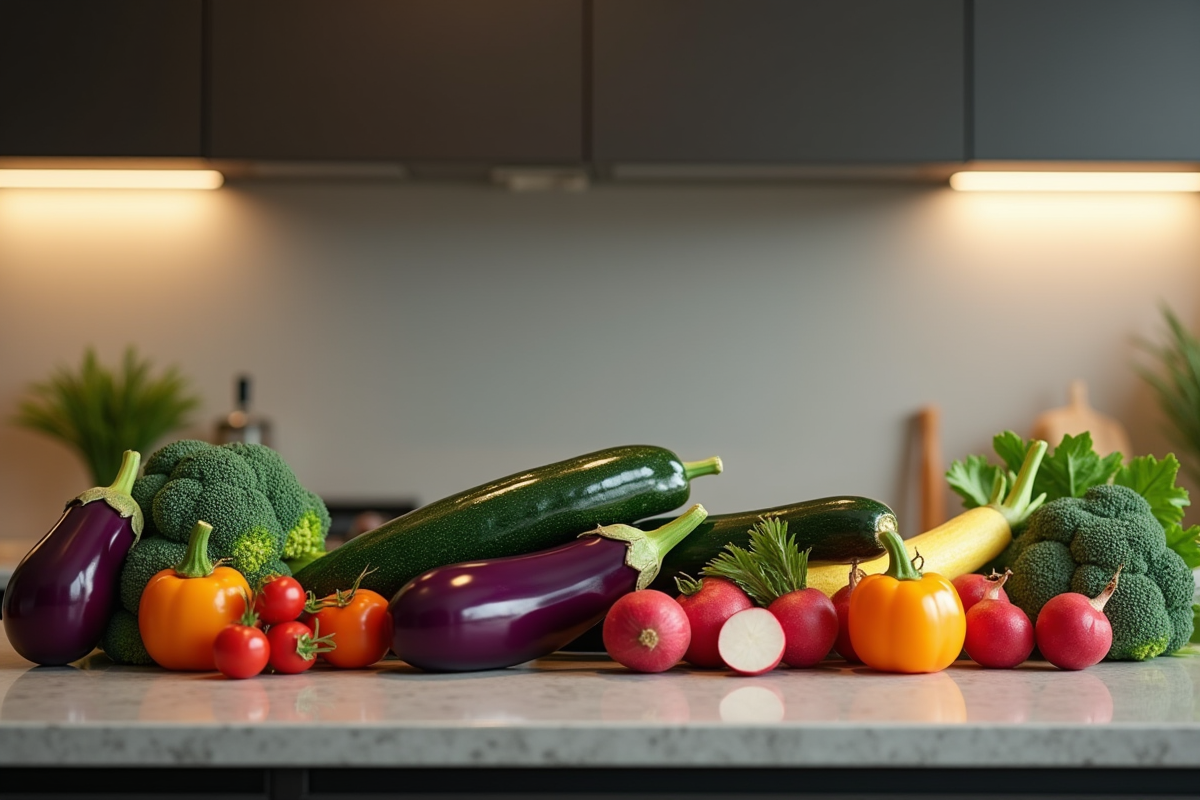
(241, 651)
(279, 599)
(361, 624)
(295, 646)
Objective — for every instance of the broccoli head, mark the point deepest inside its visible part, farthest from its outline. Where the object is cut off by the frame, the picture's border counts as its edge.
(1076, 544)
(122, 641)
(149, 556)
(218, 486)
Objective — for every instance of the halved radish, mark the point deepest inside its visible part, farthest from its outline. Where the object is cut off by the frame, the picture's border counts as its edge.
(751, 642)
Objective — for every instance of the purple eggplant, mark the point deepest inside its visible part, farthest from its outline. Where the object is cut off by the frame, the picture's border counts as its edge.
(505, 611)
(61, 595)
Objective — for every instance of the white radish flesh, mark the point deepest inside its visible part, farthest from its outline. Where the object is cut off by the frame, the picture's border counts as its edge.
(751, 642)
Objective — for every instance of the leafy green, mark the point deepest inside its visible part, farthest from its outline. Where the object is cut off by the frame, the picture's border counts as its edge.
(772, 567)
(973, 479)
(102, 412)
(1155, 481)
(1073, 468)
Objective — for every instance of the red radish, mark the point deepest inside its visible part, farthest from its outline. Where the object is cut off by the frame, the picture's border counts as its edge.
(841, 604)
(810, 625)
(647, 631)
(999, 635)
(751, 642)
(708, 602)
(774, 572)
(973, 587)
(1072, 631)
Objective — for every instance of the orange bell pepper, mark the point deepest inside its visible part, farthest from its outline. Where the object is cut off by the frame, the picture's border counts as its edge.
(184, 608)
(903, 621)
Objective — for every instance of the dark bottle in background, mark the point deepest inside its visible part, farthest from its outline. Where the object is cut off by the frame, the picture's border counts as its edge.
(241, 425)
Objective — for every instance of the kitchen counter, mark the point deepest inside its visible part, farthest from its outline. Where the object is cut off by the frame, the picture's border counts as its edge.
(583, 711)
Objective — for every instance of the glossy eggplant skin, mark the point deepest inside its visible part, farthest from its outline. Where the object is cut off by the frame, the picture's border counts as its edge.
(62, 593)
(506, 611)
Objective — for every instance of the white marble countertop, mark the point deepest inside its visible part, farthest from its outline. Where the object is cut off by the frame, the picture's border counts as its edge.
(587, 711)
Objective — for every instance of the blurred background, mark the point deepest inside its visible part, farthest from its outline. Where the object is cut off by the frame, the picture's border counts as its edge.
(410, 341)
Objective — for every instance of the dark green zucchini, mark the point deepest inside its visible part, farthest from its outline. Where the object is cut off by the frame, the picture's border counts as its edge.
(838, 529)
(519, 514)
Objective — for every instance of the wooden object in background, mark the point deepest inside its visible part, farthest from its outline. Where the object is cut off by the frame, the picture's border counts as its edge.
(1108, 436)
(933, 483)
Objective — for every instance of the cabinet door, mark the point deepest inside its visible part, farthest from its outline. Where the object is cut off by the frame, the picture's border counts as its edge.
(1087, 79)
(458, 80)
(113, 78)
(778, 80)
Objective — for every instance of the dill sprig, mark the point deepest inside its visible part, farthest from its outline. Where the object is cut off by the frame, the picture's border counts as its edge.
(772, 567)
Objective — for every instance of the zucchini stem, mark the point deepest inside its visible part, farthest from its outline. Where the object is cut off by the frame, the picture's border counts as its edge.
(127, 474)
(709, 466)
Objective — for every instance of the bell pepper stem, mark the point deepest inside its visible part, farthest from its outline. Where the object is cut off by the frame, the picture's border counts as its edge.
(196, 563)
(900, 566)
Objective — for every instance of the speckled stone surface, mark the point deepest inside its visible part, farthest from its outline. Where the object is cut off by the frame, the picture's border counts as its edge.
(582, 711)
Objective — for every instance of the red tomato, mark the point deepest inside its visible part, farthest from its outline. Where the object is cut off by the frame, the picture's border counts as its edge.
(294, 647)
(361, 625)
(280, 599)
(241, 651)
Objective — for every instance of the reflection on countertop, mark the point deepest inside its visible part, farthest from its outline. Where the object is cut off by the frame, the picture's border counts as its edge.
(561, 701)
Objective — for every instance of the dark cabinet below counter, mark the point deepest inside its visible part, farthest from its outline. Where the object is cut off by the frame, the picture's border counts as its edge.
(778, 81)
(117, 78)
(400, 80)
(1098, 80)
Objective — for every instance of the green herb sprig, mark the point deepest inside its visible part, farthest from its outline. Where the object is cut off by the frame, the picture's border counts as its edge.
(772, 567)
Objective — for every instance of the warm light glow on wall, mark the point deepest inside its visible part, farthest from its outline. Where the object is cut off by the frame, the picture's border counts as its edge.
(110, 179)
(1076, 181)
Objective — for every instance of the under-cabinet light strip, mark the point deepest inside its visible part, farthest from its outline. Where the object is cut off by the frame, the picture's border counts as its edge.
(110, 179)
(1076, 181)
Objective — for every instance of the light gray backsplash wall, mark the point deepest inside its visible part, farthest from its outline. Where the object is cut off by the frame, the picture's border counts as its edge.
(417, 340)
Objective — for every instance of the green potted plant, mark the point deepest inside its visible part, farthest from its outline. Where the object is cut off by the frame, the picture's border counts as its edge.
(101, 412)
(1176, 385)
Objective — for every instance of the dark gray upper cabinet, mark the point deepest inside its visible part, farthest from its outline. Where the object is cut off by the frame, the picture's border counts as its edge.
(778, 80)
(1087, 79)
(117, 78)
(460, 80)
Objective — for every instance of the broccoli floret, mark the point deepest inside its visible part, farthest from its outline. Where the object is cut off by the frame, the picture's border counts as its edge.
(1043, 570)
(149, 556)
(301, 514)
(218, 486)
(156, 472)
(122, 641)
(1076, 544)
(307, 537)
